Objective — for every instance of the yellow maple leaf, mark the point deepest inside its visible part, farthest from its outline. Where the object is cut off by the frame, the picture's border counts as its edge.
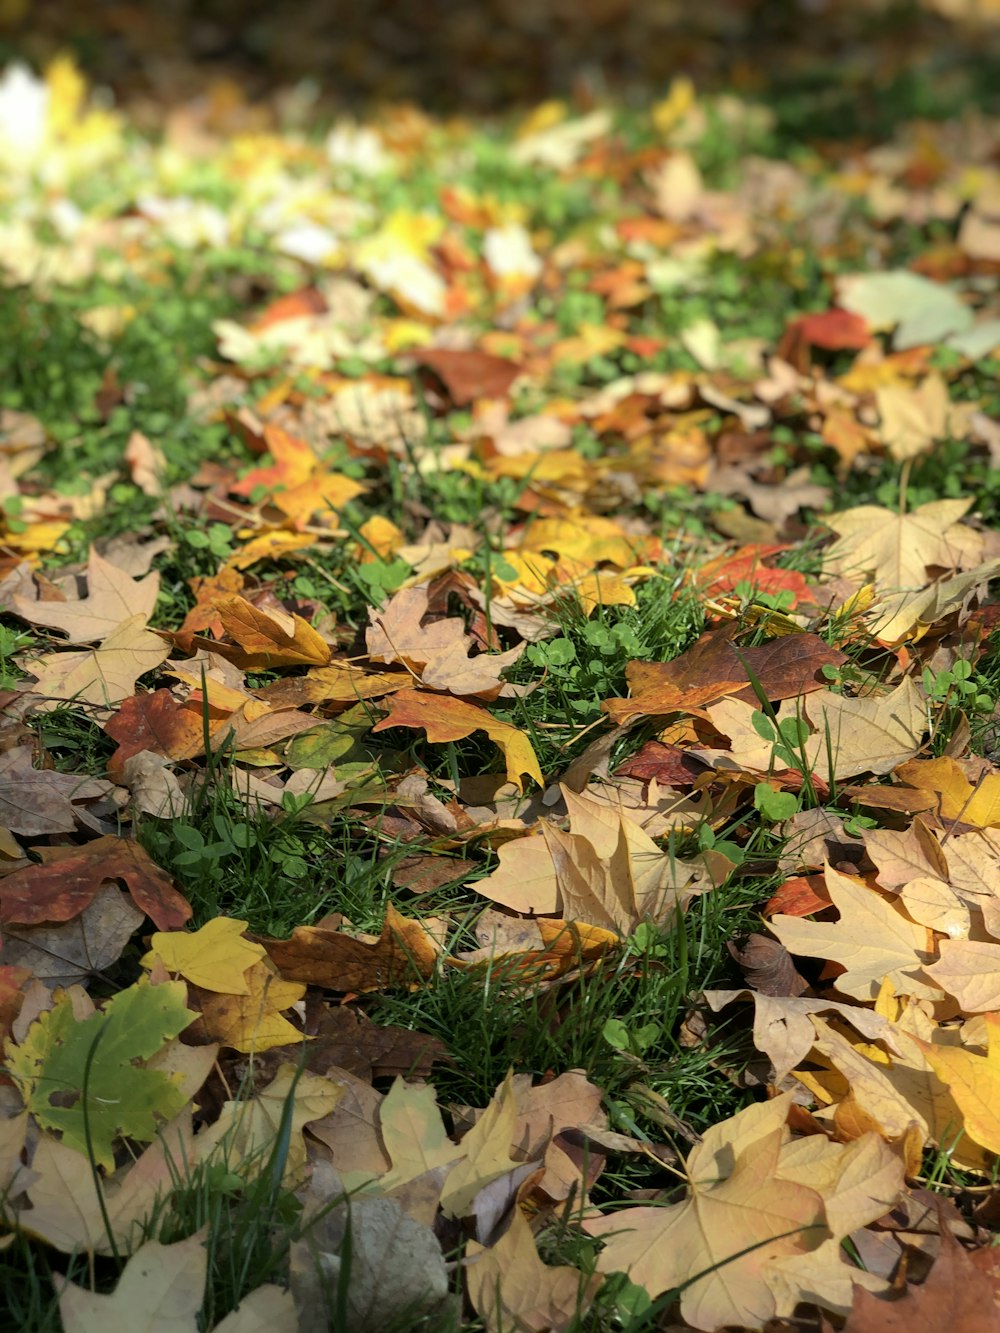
(252, 1021)
(268, 639)
(974, 1082)
(216, 957)
(957, 797)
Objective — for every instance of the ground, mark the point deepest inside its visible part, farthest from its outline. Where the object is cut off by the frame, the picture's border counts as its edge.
(499, 798)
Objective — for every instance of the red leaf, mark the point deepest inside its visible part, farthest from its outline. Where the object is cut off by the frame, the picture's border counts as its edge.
(834, 330)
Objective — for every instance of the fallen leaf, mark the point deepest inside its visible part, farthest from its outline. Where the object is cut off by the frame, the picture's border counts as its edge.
(447, 719)
(249, 1020)
(786, 668)
(510, 1287)
(66, 1210)
(297, 483)
(161, 1290)
(958, 1295)
(974, 1082)
(267, 639)
(469, 375)
(922, 311)
(721, 1241)
(956, 797)
(102, 676)
(62, 953)
(341, 962)
(38, 801)
(215, 957)
(90, 1065)
(873, 940)
(897, 550)
(113, 597)
(369, 1266)
(60, 889)
(437, 652)
(157, 722)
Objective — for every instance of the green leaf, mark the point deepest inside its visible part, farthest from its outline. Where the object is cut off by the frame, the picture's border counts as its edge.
(616, 1034)
(50, 1067)
(774, 805)
(763, 726)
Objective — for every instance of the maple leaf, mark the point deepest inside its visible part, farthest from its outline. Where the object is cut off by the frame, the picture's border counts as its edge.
(438, 652)
(250, 1019)
(913, 419)
(724, 1236)
(344, 962)
(71, 877)
(113, 597)
(93, 1059)
(297, 483)
(266, 639)
(486, 1152)
(961, 1294)
(974, 1082)
(874, 940)
(782, 1029)
(166, 1283)
(469, 375)
(159, 723)
(607, 870)
(843, 735)
(37, 801)
(102, 676)
(385, 1268)
(244, 1134)
(900, 1096)
(754, 1236)
(214, 957)
(447, 719)
(898, 549)
(413, 1134)
(510, 1286)
(61, 953)
(957, 797)
(66, 1209)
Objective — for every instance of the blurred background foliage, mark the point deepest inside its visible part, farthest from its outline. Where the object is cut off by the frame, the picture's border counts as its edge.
(473, 55)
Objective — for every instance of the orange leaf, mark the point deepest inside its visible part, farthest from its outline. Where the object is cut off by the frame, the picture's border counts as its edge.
(447, 719)
(268, 639)
(343, 962)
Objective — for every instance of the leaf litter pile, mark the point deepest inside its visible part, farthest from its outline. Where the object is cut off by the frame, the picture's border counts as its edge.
(498, 786)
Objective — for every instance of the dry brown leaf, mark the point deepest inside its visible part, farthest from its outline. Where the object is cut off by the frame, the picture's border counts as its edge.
(113, 597)
(406, 949)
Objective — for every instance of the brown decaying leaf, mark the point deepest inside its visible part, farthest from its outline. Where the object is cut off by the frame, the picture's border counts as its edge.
(404, 951)
(767, 966)
(785, 668)
(62, 953)
(962, 1294)
(469, 375)
(70, 878)
(38, 801)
